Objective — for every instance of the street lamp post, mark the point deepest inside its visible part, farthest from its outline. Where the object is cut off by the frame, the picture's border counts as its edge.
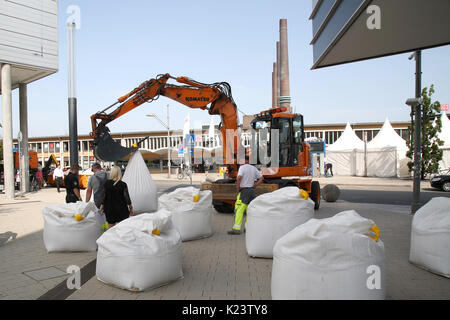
(169, 166)
(417, 111)
(167, 126)
(416, 104)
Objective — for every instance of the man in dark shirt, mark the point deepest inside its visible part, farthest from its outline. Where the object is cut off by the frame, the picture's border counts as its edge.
(72, 185)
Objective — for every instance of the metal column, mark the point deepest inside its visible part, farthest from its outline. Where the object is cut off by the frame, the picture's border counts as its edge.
(417, 136)
(24, 157)
(73, 125)
(169, 165)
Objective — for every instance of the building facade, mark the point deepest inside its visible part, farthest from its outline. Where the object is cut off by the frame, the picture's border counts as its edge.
(156, 141)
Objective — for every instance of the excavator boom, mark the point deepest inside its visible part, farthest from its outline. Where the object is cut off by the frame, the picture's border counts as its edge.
(216, 98)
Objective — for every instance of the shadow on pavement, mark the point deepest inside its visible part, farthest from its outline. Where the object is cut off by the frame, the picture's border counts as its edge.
(5, 237)
(388, 196)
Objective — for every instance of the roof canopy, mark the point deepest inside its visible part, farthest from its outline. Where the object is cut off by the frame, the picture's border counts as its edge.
(347, 141)
(387, 138)
(354, 30)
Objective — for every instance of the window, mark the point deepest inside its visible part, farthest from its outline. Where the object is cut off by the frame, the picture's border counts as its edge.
(360, 134)
(374, 133)
(57, 147)
(405, 134)
(66, 146)
(46, 145)
(297, 130)
(284, 128)
(52, 147)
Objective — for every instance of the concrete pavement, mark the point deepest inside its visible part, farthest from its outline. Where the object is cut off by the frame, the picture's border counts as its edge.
(22, 248)
(214, 268)
(338, 180)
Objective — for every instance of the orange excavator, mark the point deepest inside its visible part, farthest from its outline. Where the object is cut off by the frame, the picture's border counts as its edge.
(293, 156)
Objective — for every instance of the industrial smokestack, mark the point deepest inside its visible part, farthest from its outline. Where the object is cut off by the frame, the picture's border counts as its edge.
(275, 85)
(285, 95)
(278, 72)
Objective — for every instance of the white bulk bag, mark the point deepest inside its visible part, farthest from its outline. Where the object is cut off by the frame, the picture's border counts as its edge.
(335, 258)
(271, 215)
(192, 219)
(132, 255)
(142, 189)
(430, 237)
(63, 233)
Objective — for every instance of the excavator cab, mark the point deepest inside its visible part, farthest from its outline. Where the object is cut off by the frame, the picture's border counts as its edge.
(290, 136)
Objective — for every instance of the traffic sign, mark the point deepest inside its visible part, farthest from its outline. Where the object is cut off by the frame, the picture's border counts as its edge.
(180, 151)
(190, 140)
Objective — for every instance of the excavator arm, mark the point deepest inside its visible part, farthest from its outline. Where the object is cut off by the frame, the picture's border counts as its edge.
(216, 98)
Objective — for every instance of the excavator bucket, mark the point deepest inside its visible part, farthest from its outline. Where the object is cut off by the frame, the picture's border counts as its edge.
(108, 150)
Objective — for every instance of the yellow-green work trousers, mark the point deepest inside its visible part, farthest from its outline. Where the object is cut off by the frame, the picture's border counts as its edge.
(240, 209)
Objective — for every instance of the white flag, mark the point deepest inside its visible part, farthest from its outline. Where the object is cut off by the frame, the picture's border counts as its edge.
(212, 130)
(187, 125)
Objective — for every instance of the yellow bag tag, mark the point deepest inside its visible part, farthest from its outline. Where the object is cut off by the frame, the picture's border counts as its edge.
(197, 196)
(375, 230)
(304, 195)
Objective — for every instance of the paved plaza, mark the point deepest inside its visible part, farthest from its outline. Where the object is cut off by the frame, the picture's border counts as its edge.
(214, 268)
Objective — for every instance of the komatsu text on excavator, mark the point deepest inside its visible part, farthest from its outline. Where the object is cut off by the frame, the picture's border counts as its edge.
(293, 154)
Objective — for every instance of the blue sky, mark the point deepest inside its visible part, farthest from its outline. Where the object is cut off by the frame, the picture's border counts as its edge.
(123, 43)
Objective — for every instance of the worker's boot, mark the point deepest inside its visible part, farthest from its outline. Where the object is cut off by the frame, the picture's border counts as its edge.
(234, 232)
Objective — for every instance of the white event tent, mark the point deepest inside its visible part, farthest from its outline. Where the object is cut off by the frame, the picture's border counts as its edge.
(342, 153)
(386, 154)
(444, 135)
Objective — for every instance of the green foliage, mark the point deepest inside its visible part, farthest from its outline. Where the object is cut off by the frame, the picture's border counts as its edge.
(431, 126)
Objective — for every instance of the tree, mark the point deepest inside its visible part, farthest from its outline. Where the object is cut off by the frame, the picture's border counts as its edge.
(431, 126)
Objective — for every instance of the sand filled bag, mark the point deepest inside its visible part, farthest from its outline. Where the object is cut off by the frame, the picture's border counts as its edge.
(191, 211)
(141, 187)
(271, 215)
(430, 237)
(140, 253)
(72, 227)
(339, 258)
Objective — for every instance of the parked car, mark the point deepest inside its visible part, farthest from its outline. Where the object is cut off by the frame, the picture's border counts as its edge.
(441, 181)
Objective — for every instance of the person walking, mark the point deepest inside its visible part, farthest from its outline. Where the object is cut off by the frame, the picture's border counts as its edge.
(40, 177)
(248, 179)
(116, 202)
(72, 185)
(96, 184)
(329, 168)
(58, 175)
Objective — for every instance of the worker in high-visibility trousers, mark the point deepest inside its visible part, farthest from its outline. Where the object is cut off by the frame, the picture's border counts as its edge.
(247, 180)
